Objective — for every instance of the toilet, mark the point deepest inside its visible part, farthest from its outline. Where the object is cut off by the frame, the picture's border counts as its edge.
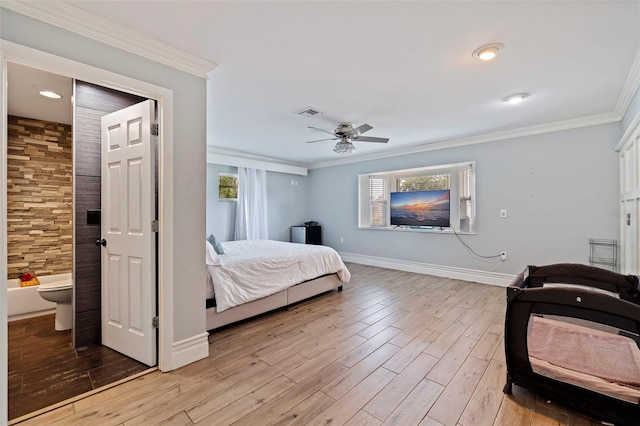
(60, 292)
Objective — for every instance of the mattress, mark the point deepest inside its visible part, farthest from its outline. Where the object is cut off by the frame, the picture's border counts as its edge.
(250, 270)
(592, 359)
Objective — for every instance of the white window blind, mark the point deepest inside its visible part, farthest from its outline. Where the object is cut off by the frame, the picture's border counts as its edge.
(378, 200)
(466, 188)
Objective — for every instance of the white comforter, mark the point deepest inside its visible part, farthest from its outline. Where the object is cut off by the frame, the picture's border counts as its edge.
(250, 270)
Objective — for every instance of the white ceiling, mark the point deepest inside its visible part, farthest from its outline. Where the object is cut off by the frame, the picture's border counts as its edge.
(23, 99)
(405, 68)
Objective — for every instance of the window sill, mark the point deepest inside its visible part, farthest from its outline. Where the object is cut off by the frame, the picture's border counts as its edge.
(432, 230)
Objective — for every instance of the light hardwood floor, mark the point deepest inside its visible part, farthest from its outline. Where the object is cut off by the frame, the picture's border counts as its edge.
(392, 348)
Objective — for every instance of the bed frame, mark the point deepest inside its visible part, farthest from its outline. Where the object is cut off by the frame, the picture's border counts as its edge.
(528, 296)
(278, 300)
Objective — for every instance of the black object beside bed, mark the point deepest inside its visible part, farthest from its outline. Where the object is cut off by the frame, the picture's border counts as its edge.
(596, 308)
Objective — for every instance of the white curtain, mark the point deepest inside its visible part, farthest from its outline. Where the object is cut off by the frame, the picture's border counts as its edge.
(251, 211)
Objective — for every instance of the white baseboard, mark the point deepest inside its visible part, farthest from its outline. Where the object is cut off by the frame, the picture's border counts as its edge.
(474, 275)
(190, 350)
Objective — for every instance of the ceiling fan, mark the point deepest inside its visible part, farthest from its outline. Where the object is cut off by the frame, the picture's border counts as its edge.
(345, 134)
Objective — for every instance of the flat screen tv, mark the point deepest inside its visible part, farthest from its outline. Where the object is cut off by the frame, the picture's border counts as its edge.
(420, 208)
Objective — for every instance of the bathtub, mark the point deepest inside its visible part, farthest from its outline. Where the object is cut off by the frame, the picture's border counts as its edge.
(25, 302)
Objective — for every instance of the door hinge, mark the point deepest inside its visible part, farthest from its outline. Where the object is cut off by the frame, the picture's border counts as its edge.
(154, 130)
(155, 226)
(155, 322)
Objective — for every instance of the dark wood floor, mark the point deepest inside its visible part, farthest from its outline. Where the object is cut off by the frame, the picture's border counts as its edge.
(44, 369)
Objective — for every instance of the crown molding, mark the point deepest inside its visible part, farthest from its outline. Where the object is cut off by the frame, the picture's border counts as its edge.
(556, 126)
(228, 157)
(630, 88)
(94, 27)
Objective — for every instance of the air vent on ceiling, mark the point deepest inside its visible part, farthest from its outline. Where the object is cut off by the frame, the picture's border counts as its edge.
(309, 112)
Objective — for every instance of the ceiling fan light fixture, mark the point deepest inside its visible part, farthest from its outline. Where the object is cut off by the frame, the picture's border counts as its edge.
(344, 148)
(345, 133)
(487, 52)
(516, 99)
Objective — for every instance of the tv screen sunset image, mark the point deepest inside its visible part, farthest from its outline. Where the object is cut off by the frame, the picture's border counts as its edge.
(420, 208)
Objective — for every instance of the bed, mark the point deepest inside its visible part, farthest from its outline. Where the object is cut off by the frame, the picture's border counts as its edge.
(572, 334)
(254, 277)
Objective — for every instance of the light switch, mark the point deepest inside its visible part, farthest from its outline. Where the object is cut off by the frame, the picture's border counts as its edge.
(503, 213)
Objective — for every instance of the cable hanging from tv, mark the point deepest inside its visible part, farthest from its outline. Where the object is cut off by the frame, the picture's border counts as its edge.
(473, 251)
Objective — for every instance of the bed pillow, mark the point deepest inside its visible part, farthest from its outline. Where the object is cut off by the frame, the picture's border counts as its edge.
(216, 244)
(212, 256)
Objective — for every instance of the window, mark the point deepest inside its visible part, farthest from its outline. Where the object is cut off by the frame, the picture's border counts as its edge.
(375, 190)
(421, 183)
(227, 186)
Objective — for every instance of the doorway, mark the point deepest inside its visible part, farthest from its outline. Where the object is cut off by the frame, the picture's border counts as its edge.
(170, 355)
(36, 351)
(92, 102)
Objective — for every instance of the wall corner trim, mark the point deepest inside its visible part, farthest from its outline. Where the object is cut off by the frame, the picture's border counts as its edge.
(631, 85)
(190, 350)
(225, 157)
(473, 275)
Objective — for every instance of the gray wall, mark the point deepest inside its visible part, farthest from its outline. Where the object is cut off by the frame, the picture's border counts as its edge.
(187, 156)
(560, 189)
(286, 204)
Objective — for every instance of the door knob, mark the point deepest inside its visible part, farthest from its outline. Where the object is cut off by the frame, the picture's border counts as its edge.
(101, 242)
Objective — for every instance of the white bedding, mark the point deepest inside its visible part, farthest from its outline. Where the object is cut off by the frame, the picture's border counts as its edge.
(250, 270)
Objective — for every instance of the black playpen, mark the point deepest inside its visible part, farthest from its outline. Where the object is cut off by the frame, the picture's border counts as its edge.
(572, 335)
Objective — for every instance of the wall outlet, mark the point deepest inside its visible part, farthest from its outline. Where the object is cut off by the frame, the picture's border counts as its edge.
(341, 240)
(503, 255)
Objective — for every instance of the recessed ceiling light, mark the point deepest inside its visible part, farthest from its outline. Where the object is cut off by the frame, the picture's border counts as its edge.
(50, 94)
(516, 99)
(488, 51)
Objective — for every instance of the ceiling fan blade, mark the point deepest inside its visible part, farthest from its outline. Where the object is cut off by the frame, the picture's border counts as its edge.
(322, 130)
(361, 129)
(320, 140)
(370, 139)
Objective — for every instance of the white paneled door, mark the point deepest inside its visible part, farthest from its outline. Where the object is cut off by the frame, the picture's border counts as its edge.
(630, 204)
(128, 240)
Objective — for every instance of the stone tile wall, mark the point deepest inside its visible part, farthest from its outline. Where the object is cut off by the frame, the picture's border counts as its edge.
(39, 197)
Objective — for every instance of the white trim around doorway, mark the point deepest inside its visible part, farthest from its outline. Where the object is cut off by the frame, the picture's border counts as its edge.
(12, 52)
(4, 334)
